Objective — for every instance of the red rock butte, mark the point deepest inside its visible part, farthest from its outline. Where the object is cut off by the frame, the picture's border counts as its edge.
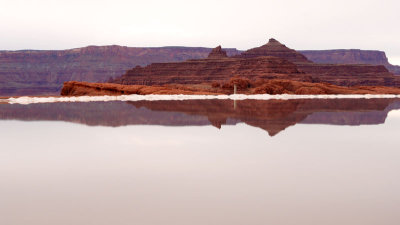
(275, 48)
(270, 61)
(216, 67)
(217, 53)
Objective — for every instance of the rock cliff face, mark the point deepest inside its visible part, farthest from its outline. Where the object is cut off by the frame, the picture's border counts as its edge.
(351, 56)
(217, 53)
(74, 88)
(244, 86)
(212, 69)
(32, 72)
(335, 72)
(270, 61)
(350, 74)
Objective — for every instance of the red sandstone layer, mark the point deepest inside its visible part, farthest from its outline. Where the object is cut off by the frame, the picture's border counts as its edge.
(213, 69)
(74, 88)
(244, 86)
(270, 61)
(349, 74)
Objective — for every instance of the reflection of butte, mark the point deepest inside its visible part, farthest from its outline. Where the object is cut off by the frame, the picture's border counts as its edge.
(276, 115)
(272, 115)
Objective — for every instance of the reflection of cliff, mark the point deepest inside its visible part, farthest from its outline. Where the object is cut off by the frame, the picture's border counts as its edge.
(276, 115)
(352, 117)
(272, 115)
(111, 114)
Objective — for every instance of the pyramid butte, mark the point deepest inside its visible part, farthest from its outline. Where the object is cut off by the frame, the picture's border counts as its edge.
(275, 48)
(217, 53)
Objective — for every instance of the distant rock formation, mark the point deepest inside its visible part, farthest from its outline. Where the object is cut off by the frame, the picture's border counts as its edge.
(34, 72)
(275, 48)
(350, 74)
(351, 56)
(217, 53)
(244, 86)
(212, 69)
(270, 61)
(31, 72)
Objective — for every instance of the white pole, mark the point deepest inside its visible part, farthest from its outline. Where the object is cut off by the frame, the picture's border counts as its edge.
(234, 92)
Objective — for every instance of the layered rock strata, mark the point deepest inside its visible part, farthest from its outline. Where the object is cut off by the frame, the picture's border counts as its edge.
(351, 56)
(245, 86)
(350, 74)
(214, 68)
(270, 61)
(34, 72)
(335, 73)
(31, 72)
(74, 88)
(275, 48)
(217, 53)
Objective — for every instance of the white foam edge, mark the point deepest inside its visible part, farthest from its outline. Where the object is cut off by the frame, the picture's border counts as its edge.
(34, 100)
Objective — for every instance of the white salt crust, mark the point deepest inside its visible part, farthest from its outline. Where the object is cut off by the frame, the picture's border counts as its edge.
(35, 100)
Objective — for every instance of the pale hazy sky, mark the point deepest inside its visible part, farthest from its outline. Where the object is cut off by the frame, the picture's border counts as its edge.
(307, 24)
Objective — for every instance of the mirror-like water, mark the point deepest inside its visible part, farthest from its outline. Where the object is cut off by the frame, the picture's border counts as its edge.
(305, 161)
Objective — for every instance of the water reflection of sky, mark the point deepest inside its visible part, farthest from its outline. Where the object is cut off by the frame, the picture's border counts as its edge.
(66, 173)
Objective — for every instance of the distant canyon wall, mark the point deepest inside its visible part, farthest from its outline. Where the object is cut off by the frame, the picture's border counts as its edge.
(33, 72)
(36, 72)
(351, 56)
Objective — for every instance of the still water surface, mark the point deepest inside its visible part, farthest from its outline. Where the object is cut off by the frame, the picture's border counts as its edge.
(201, 162)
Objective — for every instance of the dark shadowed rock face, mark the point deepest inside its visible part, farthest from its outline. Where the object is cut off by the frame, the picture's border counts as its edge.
(351, 56)
(275, 48)
(31, 72)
